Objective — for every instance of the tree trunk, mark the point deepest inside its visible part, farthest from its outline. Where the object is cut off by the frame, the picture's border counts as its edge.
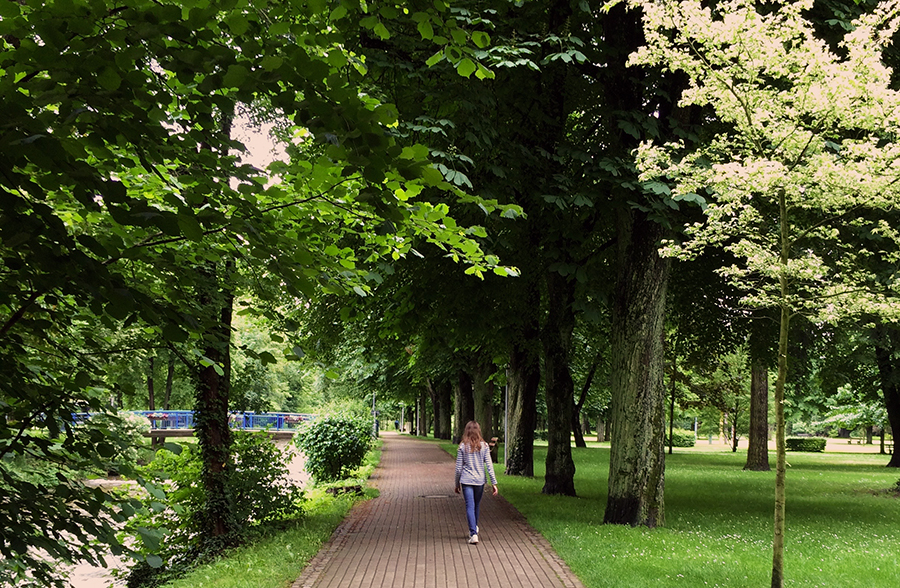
(780, 449)
(422, 426)
(218, 525)
(579, 428)
(780, 454)
(443, 409)
(464, 410)
(559, 387)
(601, 430)
(637, 448)
(151, 393)
(758, 451)
(211, 413)
(886, 346)
(483, 396)
(674, 382)
(523, 381)
(435, 407)
(170, 378)
(151, 397)
(734, 428)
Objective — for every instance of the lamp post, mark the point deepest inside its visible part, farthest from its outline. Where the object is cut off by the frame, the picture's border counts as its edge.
(505, 415)
(374, 417)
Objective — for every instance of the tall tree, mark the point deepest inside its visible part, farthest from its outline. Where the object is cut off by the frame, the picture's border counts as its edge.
(111, 213)
(809, 148)
(887, 345)
(640, 103)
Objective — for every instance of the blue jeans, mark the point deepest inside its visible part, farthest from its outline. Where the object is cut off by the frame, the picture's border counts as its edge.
(472, 495)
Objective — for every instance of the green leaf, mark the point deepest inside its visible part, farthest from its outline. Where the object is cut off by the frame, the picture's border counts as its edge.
(484, 73)
(271, 62)
(238, 24)
(175, 448)
(425, 29)
(658, 188)
(9, 10)
(106, 450)
(190, 227)
(235, 76)
(174, 334)
(280, 28)
(109, 79)
(381, 30)
(481, 39)
(434, 58)
(466, 67)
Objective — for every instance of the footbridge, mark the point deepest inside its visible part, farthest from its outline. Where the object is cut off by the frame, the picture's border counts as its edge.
(180, 423)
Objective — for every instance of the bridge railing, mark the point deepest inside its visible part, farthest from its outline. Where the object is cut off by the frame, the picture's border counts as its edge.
(184, 419)
(168, 419)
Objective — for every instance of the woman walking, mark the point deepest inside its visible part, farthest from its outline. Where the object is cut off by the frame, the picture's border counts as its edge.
(472, 457)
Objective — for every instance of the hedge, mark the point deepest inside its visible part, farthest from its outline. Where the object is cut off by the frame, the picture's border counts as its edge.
(682, 438)
(816, 444)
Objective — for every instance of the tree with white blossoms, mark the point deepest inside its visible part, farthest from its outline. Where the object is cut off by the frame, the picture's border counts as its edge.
(807, 148)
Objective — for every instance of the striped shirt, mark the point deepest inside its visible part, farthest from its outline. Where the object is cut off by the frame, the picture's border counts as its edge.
(470, 466)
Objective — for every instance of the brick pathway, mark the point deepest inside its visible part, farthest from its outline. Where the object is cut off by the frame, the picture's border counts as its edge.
(414, 535)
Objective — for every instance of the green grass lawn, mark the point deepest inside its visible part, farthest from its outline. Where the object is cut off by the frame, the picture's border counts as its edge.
(276, 560)
(843, 529)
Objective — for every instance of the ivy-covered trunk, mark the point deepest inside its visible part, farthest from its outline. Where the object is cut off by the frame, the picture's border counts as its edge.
(559, 388)
(211, 411)
(887, 347)
(758, 451)
(637, 411)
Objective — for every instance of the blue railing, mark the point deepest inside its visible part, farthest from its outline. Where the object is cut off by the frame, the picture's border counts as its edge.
(168, 419)
(279, 421)
(184, 419)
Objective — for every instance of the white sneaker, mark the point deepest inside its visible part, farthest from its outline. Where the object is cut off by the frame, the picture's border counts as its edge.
(476, 529)
(473, 540)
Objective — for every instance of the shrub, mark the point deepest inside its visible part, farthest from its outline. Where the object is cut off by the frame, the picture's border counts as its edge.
(260, 483)
(682, 438)
(166, 530)
(126, 430)
(805, 443)
(334, 446)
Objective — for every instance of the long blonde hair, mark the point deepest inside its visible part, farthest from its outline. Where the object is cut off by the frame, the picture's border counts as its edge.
(472, 436)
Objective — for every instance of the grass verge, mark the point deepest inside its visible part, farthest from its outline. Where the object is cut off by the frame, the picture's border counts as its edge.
(841, 522)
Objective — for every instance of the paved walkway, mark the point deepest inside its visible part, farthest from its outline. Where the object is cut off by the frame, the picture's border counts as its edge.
(414, 535)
